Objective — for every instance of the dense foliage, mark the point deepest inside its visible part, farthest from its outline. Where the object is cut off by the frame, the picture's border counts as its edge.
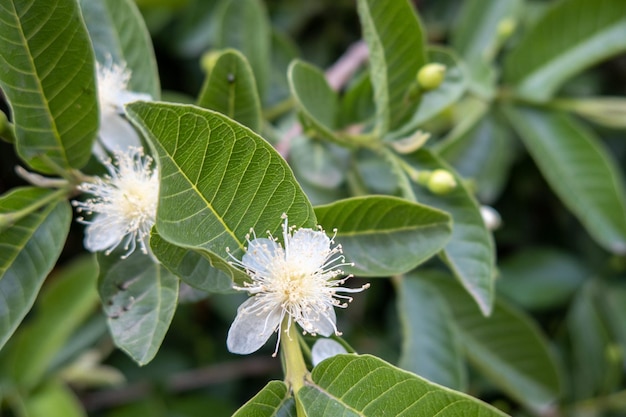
(466, 157)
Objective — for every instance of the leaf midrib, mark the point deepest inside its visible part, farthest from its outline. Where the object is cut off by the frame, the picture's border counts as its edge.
(38, 84)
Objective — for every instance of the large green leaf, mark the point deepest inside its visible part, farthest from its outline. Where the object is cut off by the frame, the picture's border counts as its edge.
(397, 51)
(190, 266)
(245, 26)
(274, 400)
(139, 297)
(483, 153)
(119, 34)
(430, 344)
(230, 89)
(48, 76)
(218, 179)
(579, 170)
(352, 385)
(539, 278)
(507, 346)
(385, 236)
(570, 37)
(317, 102)
(28, 251)
(435, 101)
(61, 308)
(593, 372)
(469, 253)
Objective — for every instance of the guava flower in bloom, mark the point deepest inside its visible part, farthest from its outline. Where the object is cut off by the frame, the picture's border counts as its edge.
(115, 132)
(123, 205)
(295, 282)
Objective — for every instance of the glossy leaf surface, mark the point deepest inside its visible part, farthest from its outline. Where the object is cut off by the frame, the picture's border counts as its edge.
(29, 250)
(469, 253)
(218, 179)
(395, 40)
(579, 170)
(140, 299)
(49, 79)
(385, 235)
(351, 385)
(507, 347)
(430, 344)
(230, 89)
(572, 36)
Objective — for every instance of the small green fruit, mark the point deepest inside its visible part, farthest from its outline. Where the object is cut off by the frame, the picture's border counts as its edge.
(441, 182)
(430, 76)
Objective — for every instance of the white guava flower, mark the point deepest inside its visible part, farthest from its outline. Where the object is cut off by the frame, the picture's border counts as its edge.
(116, 133)
(291, 283)
(123, 205)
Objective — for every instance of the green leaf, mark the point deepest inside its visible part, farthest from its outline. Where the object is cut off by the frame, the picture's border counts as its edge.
(48, 76)
(218, 179)
(139, 297)
(539, 278)
(357, 103)
(570, 37)
(190, 266)
(579, 170)
(245, 26)
(317, 102)
(484, 153)
(385, 236)
(363, 385)
(62, 306)
(29, 250)
(274, 400)
(53, 400)
(119, 34)
(435, 101)
(507, 347)
(397, 51)
(470, 252)
(593, 371)
(230, 89)
(475, 37)
(430, 344)
(614, 311)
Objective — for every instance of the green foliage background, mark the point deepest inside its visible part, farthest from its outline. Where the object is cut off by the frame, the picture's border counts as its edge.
(529, 119)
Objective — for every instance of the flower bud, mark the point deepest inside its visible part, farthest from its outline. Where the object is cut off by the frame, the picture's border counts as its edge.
(491, 217)
(441, 182)
(430, 76)
(208, 61)
(506, 27)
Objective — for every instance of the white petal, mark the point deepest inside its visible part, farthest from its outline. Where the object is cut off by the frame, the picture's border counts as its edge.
(260, 254)
(324, 349)
(103, 233)
(327, 323)
(309, 248)
(250, 330)
(116, 134)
